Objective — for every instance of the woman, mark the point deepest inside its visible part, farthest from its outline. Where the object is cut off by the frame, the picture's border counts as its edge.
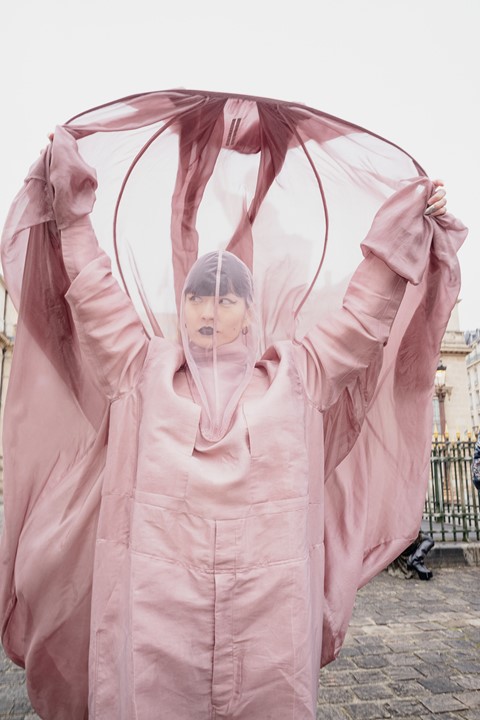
(204, 516)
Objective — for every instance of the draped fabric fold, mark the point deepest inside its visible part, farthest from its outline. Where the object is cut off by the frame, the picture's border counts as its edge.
(350, 333)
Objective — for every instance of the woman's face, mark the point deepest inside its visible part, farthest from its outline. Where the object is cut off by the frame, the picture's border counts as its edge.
(230, 313)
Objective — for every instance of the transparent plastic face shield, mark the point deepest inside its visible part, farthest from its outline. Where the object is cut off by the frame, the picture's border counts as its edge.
(219, 331)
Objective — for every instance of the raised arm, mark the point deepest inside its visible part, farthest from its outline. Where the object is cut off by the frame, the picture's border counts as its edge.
(111, 334)
(335, 354)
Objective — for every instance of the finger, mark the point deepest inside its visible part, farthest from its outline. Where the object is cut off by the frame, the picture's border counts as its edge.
(433, 209)
(441, 211)
(438, 195)
(436, 199)
(438, 208)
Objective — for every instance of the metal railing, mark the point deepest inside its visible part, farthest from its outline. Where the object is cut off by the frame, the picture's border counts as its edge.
(452, 509)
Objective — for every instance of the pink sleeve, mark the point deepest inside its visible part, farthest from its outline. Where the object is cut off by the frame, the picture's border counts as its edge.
(111, 334)
(333, 355)
(79, 246)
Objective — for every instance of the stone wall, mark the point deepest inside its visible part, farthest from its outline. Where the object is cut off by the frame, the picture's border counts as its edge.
(454, 351)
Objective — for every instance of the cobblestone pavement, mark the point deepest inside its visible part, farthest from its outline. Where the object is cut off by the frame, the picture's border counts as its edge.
(412, 653)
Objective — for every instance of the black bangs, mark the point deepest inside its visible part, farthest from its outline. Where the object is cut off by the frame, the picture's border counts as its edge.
(234, 277)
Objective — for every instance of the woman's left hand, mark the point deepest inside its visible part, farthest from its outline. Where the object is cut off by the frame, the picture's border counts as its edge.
(437, 204)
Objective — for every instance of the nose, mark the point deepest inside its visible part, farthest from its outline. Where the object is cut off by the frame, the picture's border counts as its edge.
(208, 309)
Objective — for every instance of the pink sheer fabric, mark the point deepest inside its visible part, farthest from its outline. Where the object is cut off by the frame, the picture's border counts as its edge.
(310, 475)
(220, 337)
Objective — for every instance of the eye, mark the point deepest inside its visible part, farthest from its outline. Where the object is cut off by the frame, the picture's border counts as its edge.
(192, 298)
(225, 301)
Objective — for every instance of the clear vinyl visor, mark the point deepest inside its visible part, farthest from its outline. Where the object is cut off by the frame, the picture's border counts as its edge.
(220, 335)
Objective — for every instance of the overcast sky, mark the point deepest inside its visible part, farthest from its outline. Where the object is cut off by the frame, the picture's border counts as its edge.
(406, 69)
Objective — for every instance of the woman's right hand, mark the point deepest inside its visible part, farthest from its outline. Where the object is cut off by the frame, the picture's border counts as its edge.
(436, 205)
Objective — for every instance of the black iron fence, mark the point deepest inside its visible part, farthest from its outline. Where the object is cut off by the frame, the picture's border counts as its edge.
(452, 508)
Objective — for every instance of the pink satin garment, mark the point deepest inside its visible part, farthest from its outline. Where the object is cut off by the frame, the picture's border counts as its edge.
(212, 574)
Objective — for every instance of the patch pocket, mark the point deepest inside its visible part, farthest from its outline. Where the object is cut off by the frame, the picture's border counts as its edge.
(279, 464)
(171, 535)
(166, 446)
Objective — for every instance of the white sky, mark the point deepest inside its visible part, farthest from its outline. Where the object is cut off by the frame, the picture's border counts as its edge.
(406, 69)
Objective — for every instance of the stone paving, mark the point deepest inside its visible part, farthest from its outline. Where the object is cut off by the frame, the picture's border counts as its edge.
(412, 653)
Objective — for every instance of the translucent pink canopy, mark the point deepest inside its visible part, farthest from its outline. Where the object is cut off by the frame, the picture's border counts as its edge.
(286, 188)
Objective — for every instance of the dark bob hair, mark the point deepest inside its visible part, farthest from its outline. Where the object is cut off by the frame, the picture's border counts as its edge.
(235, 277)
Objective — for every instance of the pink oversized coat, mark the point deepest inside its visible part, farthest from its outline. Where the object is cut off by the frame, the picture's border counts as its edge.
(163, 576)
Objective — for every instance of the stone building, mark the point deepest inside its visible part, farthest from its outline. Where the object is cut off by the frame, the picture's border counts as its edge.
(473, 369)
(454, 394)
